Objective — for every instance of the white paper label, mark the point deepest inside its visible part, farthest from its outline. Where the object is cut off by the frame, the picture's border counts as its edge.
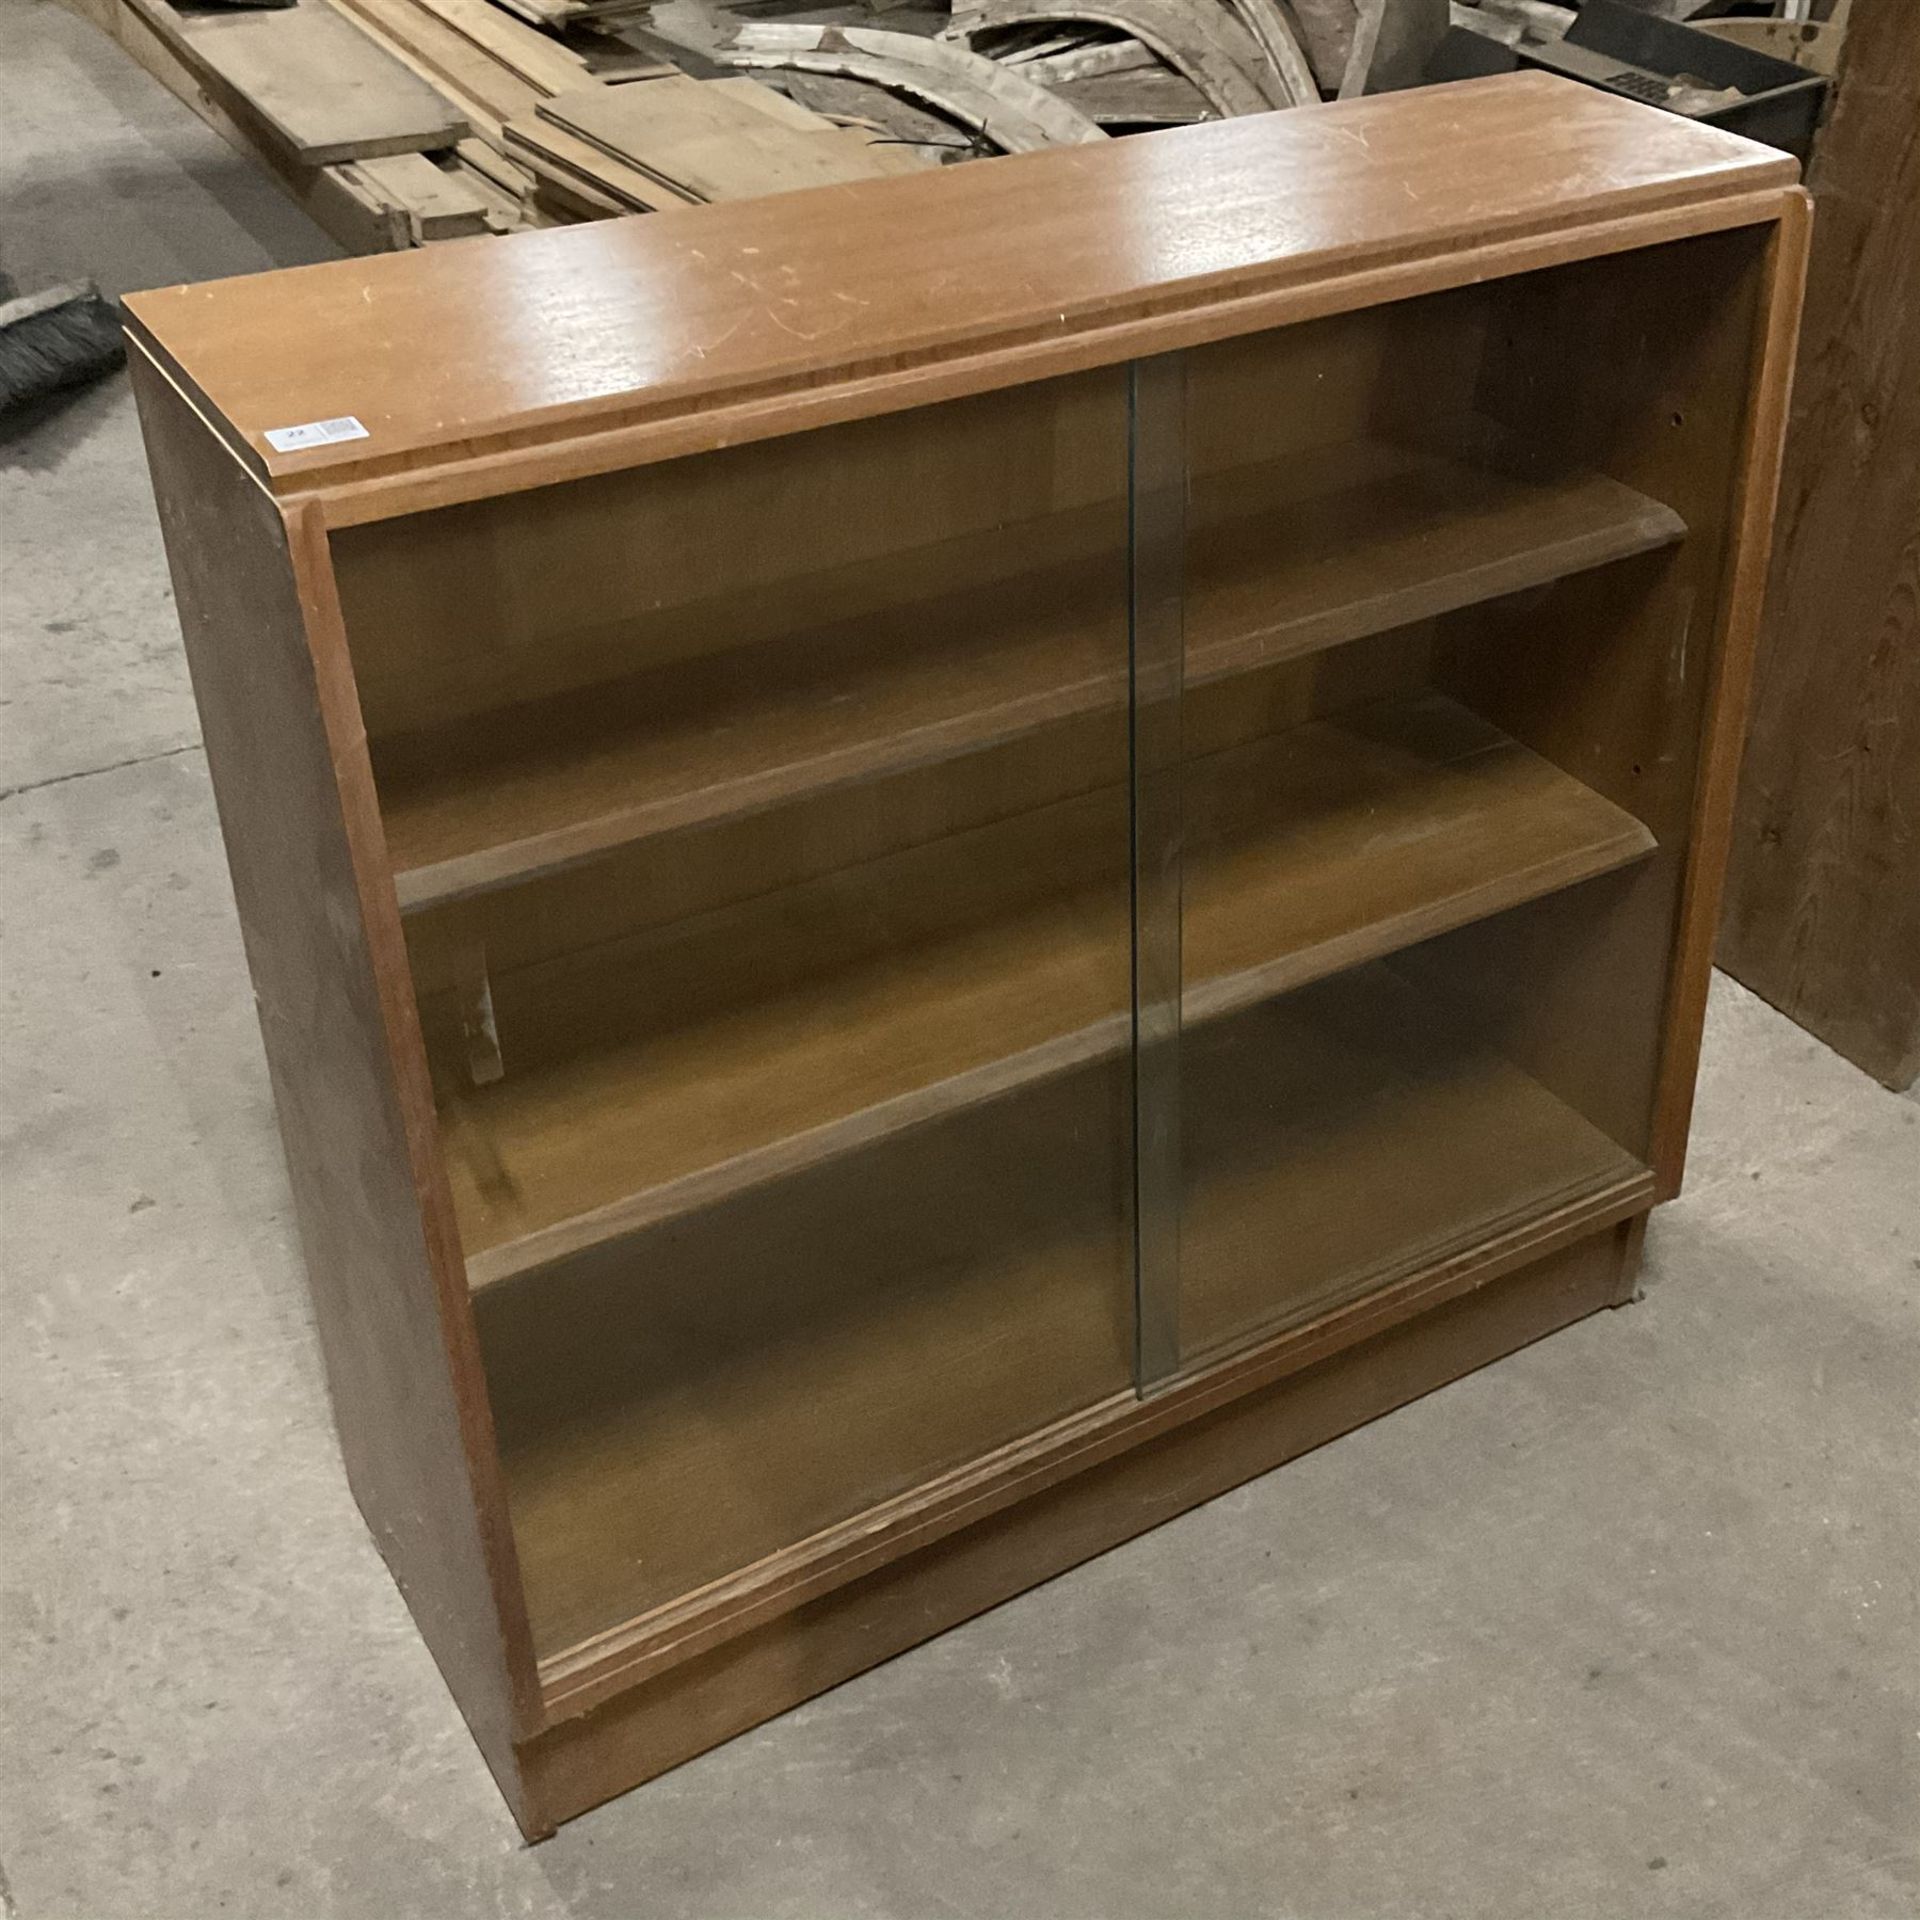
(316, 433)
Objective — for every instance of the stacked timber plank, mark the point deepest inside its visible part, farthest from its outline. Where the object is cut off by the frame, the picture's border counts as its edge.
(326, 91)
(400, 122)
(365, 142)
(676, 141)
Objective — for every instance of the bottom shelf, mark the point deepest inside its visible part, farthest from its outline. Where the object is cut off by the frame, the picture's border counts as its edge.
(684, 1402)
(1334, 1138)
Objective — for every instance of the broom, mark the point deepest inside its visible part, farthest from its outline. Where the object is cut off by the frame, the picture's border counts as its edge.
(60, 338)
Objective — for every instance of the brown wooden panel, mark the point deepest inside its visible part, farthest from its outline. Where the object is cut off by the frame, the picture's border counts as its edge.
(665, 316)
(1823, 908)
(295, 797)
(710, 1698)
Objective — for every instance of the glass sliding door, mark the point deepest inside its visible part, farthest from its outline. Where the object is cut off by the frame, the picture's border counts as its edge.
(765, 863)
(1325, 815)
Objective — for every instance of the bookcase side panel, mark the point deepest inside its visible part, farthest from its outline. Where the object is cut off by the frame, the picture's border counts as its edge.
(1730, 695)
(295, 801)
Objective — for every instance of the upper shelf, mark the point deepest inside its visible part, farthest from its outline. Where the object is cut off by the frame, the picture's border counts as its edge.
(1285, 558)
(474, 370)
(953, 974)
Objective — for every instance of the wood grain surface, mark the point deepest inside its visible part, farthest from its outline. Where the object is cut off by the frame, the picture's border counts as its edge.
(1079, 254)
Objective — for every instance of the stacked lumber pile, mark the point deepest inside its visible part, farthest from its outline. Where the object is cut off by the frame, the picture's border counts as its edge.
(371, 148)
(399, 122)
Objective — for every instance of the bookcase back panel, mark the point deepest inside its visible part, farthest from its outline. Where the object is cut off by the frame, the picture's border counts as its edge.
(474, 609)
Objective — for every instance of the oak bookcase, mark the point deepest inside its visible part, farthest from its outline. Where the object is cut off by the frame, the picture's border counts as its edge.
(932, 868)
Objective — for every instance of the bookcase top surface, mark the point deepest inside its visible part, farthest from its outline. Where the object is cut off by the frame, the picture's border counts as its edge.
(478, 366)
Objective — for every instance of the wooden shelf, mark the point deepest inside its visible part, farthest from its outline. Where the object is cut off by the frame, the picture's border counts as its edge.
(954, 974)
(671, 1411)
(1285, 559)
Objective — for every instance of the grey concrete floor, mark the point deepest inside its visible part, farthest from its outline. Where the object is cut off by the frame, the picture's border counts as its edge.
(1623, 1626)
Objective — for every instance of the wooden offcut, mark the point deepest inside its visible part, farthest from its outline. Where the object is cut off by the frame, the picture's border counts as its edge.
(321, 86)
(437, 204)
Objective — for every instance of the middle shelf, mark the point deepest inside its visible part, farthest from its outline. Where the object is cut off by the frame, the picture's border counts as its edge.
(649, 1077)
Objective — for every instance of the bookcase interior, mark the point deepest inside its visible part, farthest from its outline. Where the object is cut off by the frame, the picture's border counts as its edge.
(764, 824)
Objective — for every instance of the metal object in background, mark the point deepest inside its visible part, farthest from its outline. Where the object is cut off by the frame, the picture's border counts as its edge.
(1636, 53)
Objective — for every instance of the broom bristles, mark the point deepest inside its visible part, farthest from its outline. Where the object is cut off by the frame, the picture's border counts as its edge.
(56, 339)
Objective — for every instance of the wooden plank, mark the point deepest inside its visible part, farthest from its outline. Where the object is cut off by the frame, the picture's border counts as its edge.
(508, 175)
(1305, 554)
(503, 186)
(975, 1289)
(358, 220)
(652, 349)
(914, 130)
(356, 212)
(1275, 35)
(323, 88)
(1326, 30)
(524, 51)
(1091, 61)
(1392, 43)
(1823, 907)
(1137, 99)
(436, 204)
(578, 167)
(484, 90)
(985, 963)
(718, 139)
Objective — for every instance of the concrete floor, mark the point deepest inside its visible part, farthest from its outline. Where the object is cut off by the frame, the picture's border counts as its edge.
(1624, 1626)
